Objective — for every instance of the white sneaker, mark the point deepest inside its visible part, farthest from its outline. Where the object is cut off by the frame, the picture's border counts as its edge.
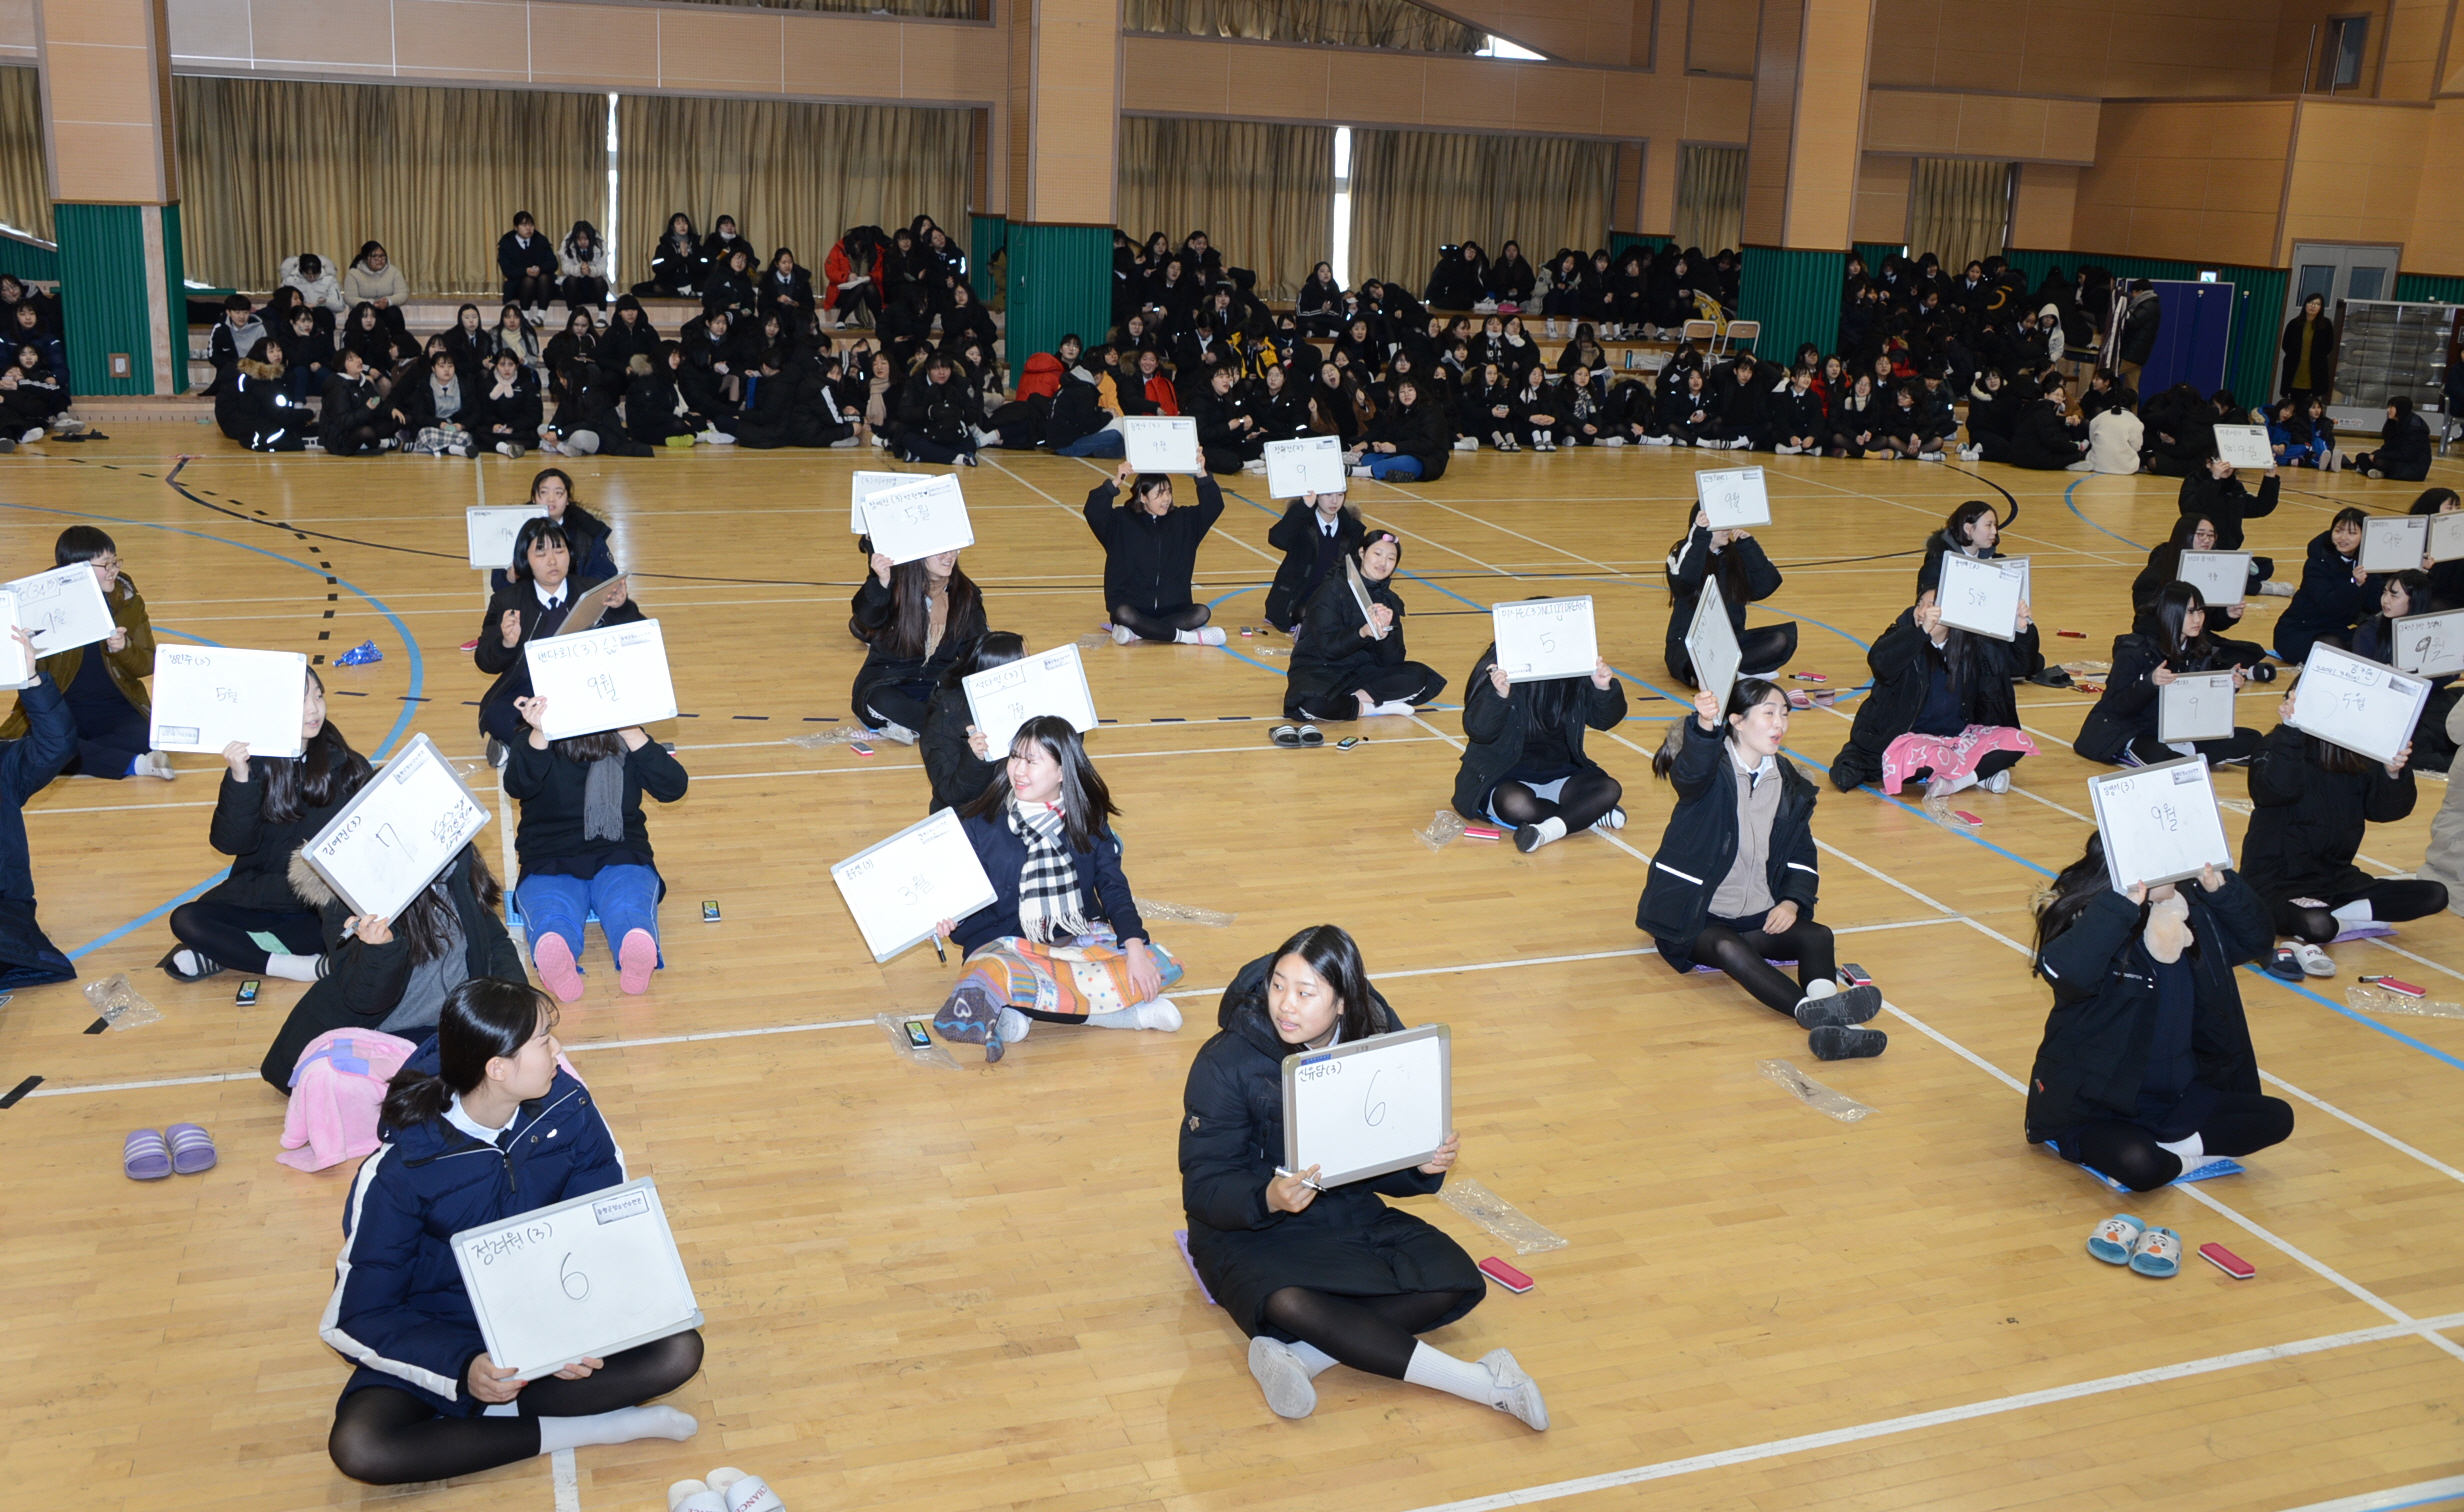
(1613, 441)
(2314, 961)
(1160, 1014)
(1516, 1392)
(2082, 465)
(1786, 450)
(30, 437)
(1999, 782)
(1972, 454)
(1122, 635)
(159, 765)
(897, 732)
(1742, 443)
(2273, 589)
(1461, 443)
(715, 437)
(1360, 472)
(1659, 441)
(1256, 467)
(1392, 709)
(1284, 1379)
(1931, 456)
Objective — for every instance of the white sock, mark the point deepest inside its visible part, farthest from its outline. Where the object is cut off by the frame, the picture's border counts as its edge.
(622, 1426)
(292, 968)
(1118, 1018)
(1468, 1379)
(2355, 912)
(1552, 828)
(2191, 1150)
(1395, 707)
(190, 961)
(1187, 637)
(1820, 987)
(1312, 1359)
(1014, 1026)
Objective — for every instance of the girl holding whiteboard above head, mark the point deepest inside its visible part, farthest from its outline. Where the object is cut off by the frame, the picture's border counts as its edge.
(917, 620)
(585, 847)
(395, 977)
(1348, 661)
(2334, 594)
(2311, 803)
(1940, 710)
(1733, 882)
(1734, 560)
(533, 604)
(1318, 1277)
(105, 683)
(587, 537)
(2146, 1068)
(1523, 764)
(268, 808)
(1316, 533)
(480, 1125)
(1151, 557)
(958, 761)
(2171, 641)
(1061, 941)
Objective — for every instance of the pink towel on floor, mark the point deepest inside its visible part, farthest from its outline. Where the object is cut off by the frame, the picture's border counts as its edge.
(336, 1090)
(1948, 755)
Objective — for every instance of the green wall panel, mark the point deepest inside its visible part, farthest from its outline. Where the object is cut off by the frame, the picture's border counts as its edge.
(1795, 294)
(986, 235)
(1060, 280)
(2427, 287)
(1875, 252)
(2258, 313)
(25, 257)
(1619, 241)
(103, 295)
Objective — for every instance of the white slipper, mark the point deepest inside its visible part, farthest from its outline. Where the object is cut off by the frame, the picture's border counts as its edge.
(693, 1496)
(739, 1492)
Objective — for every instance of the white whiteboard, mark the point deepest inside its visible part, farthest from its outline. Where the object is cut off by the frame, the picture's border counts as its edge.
(579, 1280)
(867, 484)
(1732, 497)
(1711, 643)
(2222, 577)
(1539, 639)
(2245, 446)
(1366, 1108)
(62, 609)
(590, 606)
(1312, 464)
(206, 697)
(2160, 823)
(2431, 645)
(2447, 535)
(2195, 706)
(389, 842)
(2394, 543)
(1161, 444)
(492, 531)
(16, 668)
(2357, 704)
(1001, 699)
(603, 679)
(899, 889)
(1360, 595)
(1981, 596)
(918, 519)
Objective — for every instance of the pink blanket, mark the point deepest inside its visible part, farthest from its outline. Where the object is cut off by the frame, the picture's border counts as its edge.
(1948, 755)
(336, 1090)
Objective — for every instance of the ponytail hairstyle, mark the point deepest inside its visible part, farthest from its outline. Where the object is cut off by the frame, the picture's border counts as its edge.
(1086, 804)
(328, 772)
(484, 1019)
(1746, 694)
(2060, 904)
(994, 648)
(1334, 955)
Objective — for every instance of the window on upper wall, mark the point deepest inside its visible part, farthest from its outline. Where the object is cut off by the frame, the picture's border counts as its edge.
(2344, 45)
(1499, 47)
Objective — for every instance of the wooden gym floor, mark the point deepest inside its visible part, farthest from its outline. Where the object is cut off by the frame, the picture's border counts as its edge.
(931, 1289)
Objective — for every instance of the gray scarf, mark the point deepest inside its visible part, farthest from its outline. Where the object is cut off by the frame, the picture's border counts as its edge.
(603, 800)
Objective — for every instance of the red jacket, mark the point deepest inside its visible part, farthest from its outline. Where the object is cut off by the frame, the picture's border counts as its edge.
(1042, 376)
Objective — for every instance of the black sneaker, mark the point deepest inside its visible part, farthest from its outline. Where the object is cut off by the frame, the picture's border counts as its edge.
(1838, 1042)
(1849, 1005)
(1527, 839)
(2051, 677)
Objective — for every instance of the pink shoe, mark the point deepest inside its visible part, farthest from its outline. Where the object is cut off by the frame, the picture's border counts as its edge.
(554, 958)
(636, 961)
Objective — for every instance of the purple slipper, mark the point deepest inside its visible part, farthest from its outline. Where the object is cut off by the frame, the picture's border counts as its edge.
(192, 1149)
(1181, 1238)
(144, 1156)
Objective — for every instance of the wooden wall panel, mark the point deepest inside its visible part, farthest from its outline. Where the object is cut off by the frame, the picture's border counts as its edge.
(1614, 33)
(2197, 180)
(2012, 128)
(2044, 209)
(2356, 173)
(2437, 241)
(1720, 37)
(1882, 198)
(2087, 48)
(107, 101)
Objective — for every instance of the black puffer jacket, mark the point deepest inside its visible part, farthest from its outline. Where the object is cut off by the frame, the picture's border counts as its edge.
(260, 848)
(1903, 662)
(957, 774)
(2306, 822)
(875, 616)
(1422, 429)
(1493, 730)
(1700, 843)
(1150, 561)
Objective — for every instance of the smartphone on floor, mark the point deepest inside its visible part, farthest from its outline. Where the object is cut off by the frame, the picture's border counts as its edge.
(710, 910)
(248, 992)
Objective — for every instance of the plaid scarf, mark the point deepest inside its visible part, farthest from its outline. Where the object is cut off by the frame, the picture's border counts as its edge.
(1048, 884)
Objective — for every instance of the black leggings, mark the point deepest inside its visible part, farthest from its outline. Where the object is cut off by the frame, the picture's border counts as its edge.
(903, 704)
(1372, 1334)
(583, 293)
(531, 291)
(391, 1438)
(2391, 902)
(358, 440)
(1587, 795)
(2243, 1122)
(219, 932)
(1746, 955)
(1766, 648)
(1161, 625)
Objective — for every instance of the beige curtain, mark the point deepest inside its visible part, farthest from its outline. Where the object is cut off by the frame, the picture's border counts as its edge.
(270, 168)
(1710, 197)
(1345, 23)
(1958, 210)
(935, 9)
(1260, 193)
(25, 190)
(1415, 191)
(793, 175)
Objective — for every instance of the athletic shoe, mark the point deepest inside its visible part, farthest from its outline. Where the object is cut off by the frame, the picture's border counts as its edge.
(1999, 782)
(1613, 441)
(1972, 454)
(1517, 1392)
(30, 437)
(1256, 467)
(716, 437)
(1787, 451)
(1280, 1374)
(1851, 1005)
(1360, 472)
(1659, 441)
(2314, 961)
(1931, 456)
(1834, 1042)
(1742, 443)
(2273, 589)
(509, 449)
(893, 731)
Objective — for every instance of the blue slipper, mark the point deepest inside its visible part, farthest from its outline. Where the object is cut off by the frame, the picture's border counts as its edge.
(2114, 1237)
(2158, 1253)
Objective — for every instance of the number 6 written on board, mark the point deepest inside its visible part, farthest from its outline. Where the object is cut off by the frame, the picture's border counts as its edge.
(569, 1279)
(1372, 1113)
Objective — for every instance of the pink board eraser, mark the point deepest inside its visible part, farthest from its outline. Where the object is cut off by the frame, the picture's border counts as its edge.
(1481, 832)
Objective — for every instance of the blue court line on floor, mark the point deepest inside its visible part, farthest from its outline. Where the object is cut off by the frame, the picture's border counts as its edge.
(2073, 505)
(402, 723)
(188, 635)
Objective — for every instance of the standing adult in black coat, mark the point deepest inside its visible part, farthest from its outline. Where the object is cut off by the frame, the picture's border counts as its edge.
(2146, 1067)
(1348, 660)
(2135, 340)
(1320, 1276)
(532, 605)
(918, 619)
(2311, 804)
(1151, 558)
(1735, 560)
(1523, 763)
(1315, 535)
(2309, 348)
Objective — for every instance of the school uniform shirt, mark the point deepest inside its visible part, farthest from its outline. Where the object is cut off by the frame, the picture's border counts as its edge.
(541, 613)
(2306, 823)
(1497, 727)
(1346, 1242)
(398, 1309)
(2092, 1063)
(1103, 891)
(1150, 561)
(1702, 842)
(553, 789)
(1312, 548)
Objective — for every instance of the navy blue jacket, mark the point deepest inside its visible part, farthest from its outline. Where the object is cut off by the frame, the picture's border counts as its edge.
(27, 956)
(1103, 892)
(1702, 833)
(398, 1308)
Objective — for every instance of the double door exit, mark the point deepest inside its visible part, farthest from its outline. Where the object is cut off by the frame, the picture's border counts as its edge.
(2339, 273)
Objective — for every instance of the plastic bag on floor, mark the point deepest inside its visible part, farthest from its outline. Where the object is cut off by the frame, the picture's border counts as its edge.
(119, 1003)
(844, 734)
(1812, 1093)
(1444, 829)
(1497, 1215)
(1148, 908)
(894, 1026)
(2368, 997)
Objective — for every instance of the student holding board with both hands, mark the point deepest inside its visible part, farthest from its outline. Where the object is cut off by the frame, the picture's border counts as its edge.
(585, 846)
(1523, 764)
(1734, 560)
(104, 683)
(426, 1403)
(1151, 557)
(1940, 710)
(1318, 1277)
(917, 620)
(1734, 879)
